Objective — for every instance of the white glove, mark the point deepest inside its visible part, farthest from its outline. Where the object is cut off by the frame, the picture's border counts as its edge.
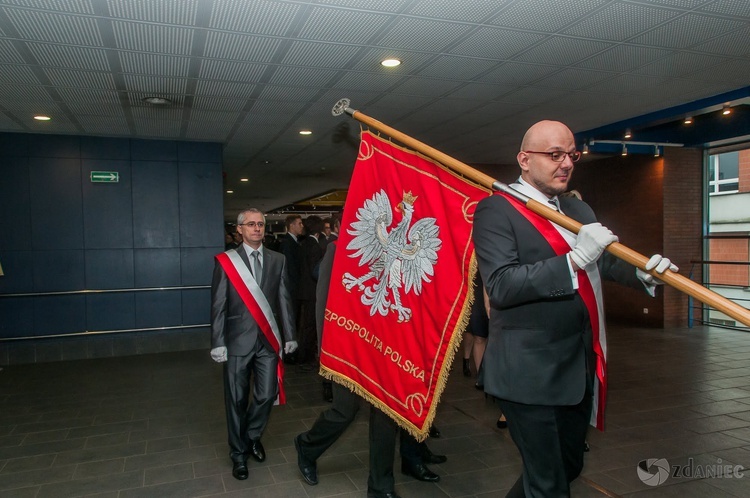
(659, 264)
(590, 244)
(219, 355)
(290, 347)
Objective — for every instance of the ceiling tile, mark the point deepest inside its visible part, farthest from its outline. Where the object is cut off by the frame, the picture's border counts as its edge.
(426, 86)
(181, 12)
(313, 77)
(736, 43)
(89, 95)
(462, 68)
(465, 10)
(292, 94)
(623, 58)
(245, 48)
(257, 17)
(422, 34)
(563, 51)
(480, 91)
(8, 53)
(607, 23)
(677, 64)
(211, 88)
(368, 82)
(52, 27)
(92, 59)
(731, 8)
(517, 73)
(212, 69)
(325, 55)
(72, 78)
(496, 43)
(157, 86)
(154, 64)
(572, 79)
(11, 94)
(324, 24)
(152, 38)
(688, 30)
(156, 128)
(544, 15)
(75, 6)
(103, 125)
(627, 84)
(370, 60)
(18, 74)
(218, 103)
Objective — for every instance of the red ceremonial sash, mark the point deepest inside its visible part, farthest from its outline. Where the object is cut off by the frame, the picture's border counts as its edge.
(587, 293)
(257, 313)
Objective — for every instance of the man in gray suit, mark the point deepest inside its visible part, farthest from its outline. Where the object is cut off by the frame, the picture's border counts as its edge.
(250, 307)
(546, 356)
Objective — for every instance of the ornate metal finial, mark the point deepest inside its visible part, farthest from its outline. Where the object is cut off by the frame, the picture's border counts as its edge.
(340, 107)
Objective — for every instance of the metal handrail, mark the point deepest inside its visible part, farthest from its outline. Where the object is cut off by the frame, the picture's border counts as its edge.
(100, 332)
(104, 291)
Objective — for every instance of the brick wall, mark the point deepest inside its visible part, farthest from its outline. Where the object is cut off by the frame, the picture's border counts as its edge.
(683, 222)
(745, 170)
(729, 250)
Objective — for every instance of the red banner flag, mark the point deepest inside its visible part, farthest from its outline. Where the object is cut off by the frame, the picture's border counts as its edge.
(400, 291)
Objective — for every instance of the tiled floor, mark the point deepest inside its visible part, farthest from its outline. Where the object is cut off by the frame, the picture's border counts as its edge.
(153, 425)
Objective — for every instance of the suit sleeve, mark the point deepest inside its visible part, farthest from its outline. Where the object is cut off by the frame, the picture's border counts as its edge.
(285, 304)
(510, 276)
(219, 285)
(321, 289)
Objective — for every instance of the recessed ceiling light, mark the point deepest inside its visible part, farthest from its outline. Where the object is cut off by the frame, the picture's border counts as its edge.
(391, 63)
(244, 179)
(42, 118)
(157, 101)
(305, 132)
(230, 191)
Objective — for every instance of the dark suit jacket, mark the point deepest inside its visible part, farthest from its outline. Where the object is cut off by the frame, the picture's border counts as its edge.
(232, 325)
(291, 249)
(540, 348)
(312, 253)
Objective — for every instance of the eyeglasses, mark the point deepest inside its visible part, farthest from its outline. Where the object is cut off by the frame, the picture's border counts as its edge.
(253, 224)
(558, 155)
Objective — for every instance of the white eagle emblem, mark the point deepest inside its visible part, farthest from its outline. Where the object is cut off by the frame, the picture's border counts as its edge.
(404, 257)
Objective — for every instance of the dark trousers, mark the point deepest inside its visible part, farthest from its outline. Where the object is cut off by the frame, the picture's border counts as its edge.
(307, 332)
(247, 421)
(334, 421)
(550, 440)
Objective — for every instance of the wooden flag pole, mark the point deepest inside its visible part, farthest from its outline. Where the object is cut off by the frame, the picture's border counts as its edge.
(623, 252)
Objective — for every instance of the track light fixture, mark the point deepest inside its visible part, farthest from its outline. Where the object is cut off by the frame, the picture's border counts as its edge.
(656, 151)
(585, 149)
(726, 110)
(628, 133)
(688, 120)
(624, 150)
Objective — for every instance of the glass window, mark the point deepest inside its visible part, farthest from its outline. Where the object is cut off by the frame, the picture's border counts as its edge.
(723, 173)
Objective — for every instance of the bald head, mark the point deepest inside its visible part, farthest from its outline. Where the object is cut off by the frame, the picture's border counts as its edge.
(549, 176)
(545, 132)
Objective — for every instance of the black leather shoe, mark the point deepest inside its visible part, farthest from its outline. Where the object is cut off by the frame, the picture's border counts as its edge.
(420, 472)
(239, 471)
(308, 469)
(467, 368)
(434, 432)
(429, 457)
(371, 494)
(257, 451)
(502, 424)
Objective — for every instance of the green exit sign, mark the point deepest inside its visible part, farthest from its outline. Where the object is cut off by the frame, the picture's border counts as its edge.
(105, 177)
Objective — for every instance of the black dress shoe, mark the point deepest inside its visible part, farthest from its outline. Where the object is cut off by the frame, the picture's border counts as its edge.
(502, 424)
(239, 471)
(308, 469)
(371, 494)
(257, 451)
(429, 457)
(434, 432)
(467, 368)
(419, 471)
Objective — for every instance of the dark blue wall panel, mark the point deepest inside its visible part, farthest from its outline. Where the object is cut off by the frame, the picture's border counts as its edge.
(157, 267)
(14, 145)
(58, 270)
(153, 150)
(15, 209)
(59, 314)
(105, 148)
(158, 309)
(56, 203)
(62, 146)
(110, 311)
(202, 152)
(196, 306)
(201, 209)
(110, 269)
(107, 207)
(198, 264)
(19, 272)
(156, 218)
(17, 317)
